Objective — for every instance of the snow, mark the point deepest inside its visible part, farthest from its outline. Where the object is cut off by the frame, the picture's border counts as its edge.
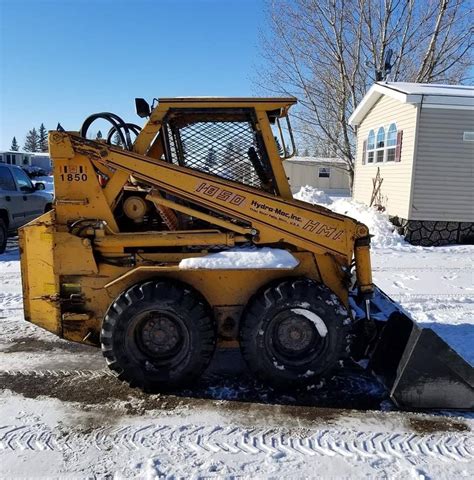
(278, 366)
(192, 435)
(383, 231)
(432, 89)
(434, 284)
(241, 258)
(443, 96)
(313, 318)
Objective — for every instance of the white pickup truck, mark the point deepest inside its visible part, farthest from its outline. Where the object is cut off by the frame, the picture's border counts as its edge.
(20, 200)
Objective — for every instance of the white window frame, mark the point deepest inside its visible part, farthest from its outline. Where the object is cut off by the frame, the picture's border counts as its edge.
(468, 137)
(385, 147)
(391, 147)
(380, 149)
(370, 150)
(328, 172)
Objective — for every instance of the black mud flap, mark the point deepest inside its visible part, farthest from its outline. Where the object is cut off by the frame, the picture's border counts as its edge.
(420, 369)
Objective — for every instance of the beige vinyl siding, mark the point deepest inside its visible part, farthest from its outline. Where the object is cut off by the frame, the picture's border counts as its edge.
(444, 182)
(396, 176)
(301, 174)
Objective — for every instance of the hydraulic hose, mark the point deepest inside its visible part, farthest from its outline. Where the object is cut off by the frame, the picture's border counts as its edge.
(118, 126)
(131, 127)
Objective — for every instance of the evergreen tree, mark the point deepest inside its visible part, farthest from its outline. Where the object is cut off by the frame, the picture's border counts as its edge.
(234, 165)
(32, 141)
(247, 170)
(306, 152)
(211, 160)
(42, 139)
(116, 140)
(15, 147)
(227, 164)
(280, 149)
(99, 135)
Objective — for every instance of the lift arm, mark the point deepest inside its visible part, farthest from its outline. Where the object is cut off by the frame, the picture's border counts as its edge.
(273, 219)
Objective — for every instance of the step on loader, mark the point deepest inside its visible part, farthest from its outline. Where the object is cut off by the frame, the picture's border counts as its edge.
(109, 264)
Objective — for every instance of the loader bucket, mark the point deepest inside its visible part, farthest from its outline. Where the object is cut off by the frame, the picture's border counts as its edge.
(419, 369)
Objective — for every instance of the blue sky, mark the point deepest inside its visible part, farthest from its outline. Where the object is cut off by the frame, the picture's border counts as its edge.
(61, 60)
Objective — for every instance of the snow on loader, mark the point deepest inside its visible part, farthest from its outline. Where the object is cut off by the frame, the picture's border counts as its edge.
(109, 265)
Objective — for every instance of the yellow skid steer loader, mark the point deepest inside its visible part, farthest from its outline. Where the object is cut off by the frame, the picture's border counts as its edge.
(123, 261)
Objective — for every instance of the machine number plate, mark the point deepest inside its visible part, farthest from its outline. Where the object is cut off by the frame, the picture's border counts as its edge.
(73, 173)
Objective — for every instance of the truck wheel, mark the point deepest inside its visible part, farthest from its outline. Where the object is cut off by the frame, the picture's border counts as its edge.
(3, 235)
(158, 334)
(294, 331)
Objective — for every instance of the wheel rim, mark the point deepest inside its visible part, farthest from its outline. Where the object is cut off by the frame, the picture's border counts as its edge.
(293, 339)
(159, 334)
(159, 337)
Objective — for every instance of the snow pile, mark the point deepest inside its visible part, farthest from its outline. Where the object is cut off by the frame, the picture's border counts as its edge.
(311, 195)
(242, 258)
(383, 231)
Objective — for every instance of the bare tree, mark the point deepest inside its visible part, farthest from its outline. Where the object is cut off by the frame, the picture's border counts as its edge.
(328, 53)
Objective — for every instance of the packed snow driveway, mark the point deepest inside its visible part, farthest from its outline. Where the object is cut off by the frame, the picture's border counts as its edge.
(63, 415)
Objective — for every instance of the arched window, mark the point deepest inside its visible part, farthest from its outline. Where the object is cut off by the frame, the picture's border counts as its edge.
(380, 145)
(391, 142)
(383, 144)
(371, 147)
(371, 140)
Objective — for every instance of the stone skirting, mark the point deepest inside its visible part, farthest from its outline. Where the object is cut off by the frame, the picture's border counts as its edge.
(433, 234)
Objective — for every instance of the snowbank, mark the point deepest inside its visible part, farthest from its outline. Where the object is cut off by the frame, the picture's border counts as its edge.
(242, 258)
(383, 231)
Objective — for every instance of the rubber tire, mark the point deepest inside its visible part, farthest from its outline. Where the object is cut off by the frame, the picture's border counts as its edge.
(3, 235)
(171, 297)
(288, 294)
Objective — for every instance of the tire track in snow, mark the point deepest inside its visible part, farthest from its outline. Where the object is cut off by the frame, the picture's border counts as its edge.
(456, 297)
(91, 374)
(423, 269)
(458, 301)
(11, 301)
(415, 448)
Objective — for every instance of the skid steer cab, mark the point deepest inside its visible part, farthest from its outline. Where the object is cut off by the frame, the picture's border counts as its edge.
(185, 237)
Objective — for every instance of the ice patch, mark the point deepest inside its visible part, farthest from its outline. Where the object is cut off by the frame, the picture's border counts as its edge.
(315, 319)
(241, 259)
